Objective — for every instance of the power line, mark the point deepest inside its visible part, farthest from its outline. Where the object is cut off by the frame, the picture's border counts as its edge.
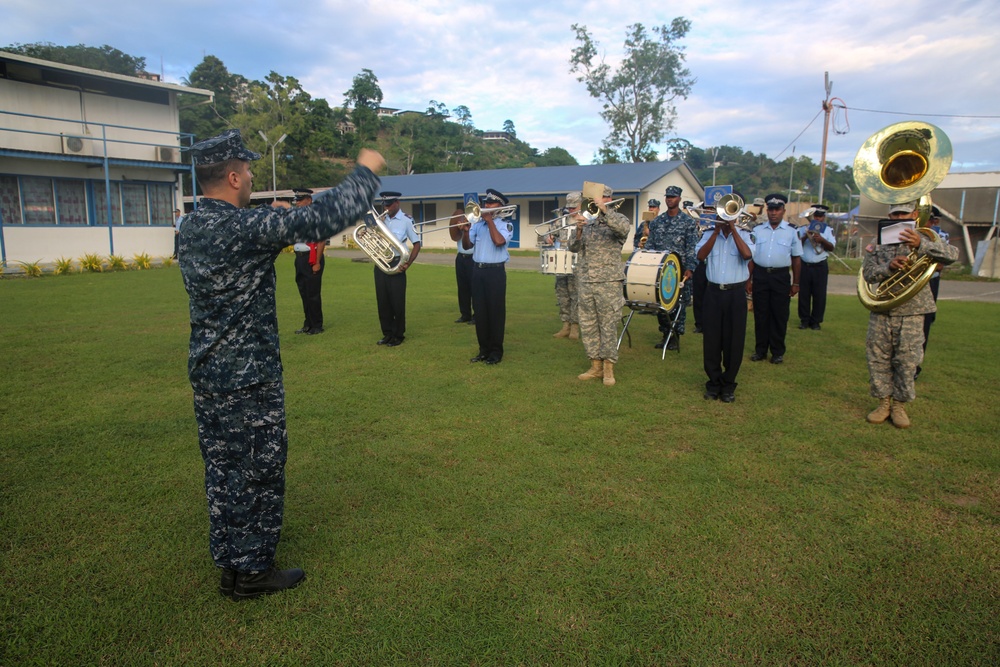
(904, 113)
(799, 135)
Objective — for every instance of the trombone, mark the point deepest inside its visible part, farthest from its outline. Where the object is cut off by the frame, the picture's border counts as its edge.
(704, 219)
(441, 229)
(473, 212)
(562, 221)
(731, 207)
(591, 210)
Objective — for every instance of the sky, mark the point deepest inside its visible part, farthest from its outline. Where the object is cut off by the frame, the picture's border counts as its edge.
(759, 66)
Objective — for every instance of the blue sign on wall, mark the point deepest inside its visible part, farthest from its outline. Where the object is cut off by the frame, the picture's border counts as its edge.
(713, 193)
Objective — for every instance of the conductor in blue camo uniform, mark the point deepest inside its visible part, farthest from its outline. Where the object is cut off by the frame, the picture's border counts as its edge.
(598, 241)
(227, 263)
(776, 249)
(390, 289)
(817, 242)
(895, 340)
(677, 232)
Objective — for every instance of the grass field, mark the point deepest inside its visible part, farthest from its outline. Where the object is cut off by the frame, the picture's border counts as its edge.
(457, 514)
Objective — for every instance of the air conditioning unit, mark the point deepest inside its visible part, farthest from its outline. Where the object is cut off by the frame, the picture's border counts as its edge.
(76, 145)
(167, 154)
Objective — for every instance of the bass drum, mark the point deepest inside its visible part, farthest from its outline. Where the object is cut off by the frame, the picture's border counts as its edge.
(652, 281)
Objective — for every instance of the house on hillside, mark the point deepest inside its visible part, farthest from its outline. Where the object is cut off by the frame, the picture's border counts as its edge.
(537, 191)
(90, 162)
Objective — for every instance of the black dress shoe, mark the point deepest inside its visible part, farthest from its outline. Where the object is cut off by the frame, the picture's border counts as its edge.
(803, 326)
(393, 342)
(385, 340)
(815, 327)
(698, 329)
(303, 330)
(272, 581)
(463, 320)
(727, 397)
(313, 332)
(674, 344)
(492, 361)
(227, 582)
(477, 358)
(777, 359)
(758, 357)
(472, 321)
(710, 396)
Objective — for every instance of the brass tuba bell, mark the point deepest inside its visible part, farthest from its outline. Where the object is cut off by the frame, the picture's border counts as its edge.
(900, 163)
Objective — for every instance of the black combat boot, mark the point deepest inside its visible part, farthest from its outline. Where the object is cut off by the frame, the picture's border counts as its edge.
(227, 582)
(272, 581)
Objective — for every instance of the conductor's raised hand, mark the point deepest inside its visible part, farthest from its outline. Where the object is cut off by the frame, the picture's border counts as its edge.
(371, 159)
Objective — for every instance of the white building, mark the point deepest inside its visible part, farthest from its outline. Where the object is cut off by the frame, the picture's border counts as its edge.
(90, 162)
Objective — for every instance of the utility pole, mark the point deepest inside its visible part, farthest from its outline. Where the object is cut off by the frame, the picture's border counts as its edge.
(826, 129)
(791, 172)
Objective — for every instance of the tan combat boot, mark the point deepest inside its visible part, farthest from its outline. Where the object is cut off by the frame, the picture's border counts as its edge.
(562, 333)
(881, 413)
(899, 416)
(609, 373)
(574, 331)
(596, 371)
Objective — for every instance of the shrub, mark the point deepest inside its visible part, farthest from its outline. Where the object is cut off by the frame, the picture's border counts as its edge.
(141, 261)
(92, 262)
(168, 262)
(64, 265)
(33, 269)
(117, 263)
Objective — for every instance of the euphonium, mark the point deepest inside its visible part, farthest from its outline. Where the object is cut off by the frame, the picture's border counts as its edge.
(374, 237)
(900, 163)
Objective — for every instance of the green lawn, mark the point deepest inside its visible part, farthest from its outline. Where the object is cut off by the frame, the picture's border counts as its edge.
(456, 514)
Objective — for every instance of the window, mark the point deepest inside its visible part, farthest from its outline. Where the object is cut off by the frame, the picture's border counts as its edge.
(101, 204)
(161, 203)
(39, 203)
(10, 201)
(424, 213)
(135, 205)
(71, 202)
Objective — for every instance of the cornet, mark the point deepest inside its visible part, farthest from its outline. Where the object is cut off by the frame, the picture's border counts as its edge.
(374, 237)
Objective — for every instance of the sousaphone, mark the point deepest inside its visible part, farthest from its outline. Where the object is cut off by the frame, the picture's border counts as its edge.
(902, 163)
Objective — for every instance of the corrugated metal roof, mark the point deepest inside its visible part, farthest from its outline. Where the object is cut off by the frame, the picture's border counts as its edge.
(530, 181)
(973, 179)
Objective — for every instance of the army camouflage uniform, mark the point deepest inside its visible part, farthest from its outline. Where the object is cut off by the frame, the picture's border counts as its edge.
(677, 234)
(599, 276)
(227, 262)
(894, 345)
(566, 290)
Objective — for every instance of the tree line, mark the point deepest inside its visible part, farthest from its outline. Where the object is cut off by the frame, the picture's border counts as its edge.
(321, 140)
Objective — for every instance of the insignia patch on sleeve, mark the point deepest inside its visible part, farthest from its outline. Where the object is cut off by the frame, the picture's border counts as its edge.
(510, 227)
(870, 248)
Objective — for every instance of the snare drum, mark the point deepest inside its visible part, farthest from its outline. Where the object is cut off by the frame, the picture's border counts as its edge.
(652, 280)
(557, 261)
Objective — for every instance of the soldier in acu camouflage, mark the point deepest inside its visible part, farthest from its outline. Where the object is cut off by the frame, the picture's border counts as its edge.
(894, 345)
(677, 232)
(566, 290)
(599, 277)
(227, 262)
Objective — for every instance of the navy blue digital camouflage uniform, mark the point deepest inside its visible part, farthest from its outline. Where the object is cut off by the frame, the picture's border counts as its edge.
(677, 234)
(227, 262)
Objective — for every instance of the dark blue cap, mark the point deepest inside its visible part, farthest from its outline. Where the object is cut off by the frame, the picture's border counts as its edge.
(227, 146)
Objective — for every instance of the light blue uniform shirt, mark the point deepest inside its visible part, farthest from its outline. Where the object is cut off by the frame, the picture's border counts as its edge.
(775, 246)
(810, 254)
(484, 250)
(462, 250)
(401, 226)
(724, 264)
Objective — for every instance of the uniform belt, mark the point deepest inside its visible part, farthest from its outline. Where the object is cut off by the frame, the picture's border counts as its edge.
(822, 261)
(725, 286)
(771, 269)
(489, 265)
(465, 255)
(302, 252)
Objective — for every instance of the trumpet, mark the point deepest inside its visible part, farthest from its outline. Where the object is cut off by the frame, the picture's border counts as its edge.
(731, 207)
(375, 239)
(473, 212)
